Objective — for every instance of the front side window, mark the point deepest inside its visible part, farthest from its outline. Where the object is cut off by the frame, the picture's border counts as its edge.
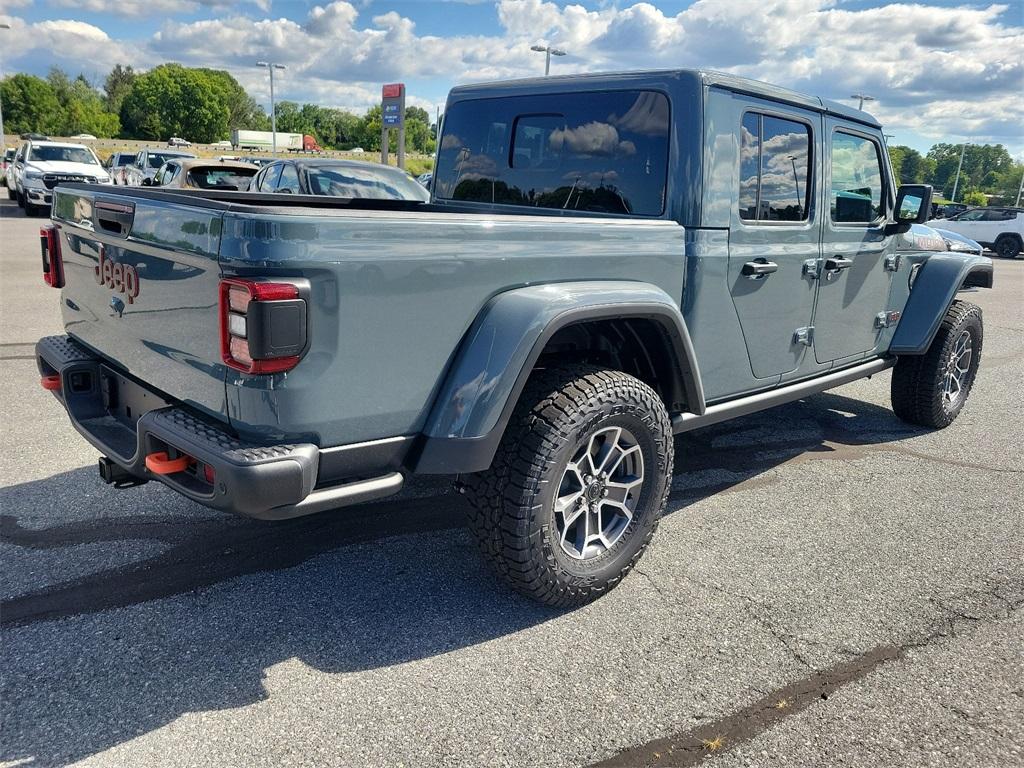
(775, 164)
(975, 215)
(857, 195)
(602, 152)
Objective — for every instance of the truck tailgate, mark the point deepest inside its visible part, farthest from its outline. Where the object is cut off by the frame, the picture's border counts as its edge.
(141, 289)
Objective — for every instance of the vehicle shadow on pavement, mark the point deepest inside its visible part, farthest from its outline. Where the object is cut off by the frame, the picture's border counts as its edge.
(251, 594)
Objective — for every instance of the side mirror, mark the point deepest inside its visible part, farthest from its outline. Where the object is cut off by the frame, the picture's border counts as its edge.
(913, 204)
(147, 182)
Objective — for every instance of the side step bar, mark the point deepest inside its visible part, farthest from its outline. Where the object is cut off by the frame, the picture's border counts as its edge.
(337, 496)
(742, 406)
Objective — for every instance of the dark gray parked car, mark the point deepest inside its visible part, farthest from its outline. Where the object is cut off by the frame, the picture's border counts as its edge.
(605, 261)
(351, 179)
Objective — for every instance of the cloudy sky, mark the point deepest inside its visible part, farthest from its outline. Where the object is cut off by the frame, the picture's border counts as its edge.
(940, 69)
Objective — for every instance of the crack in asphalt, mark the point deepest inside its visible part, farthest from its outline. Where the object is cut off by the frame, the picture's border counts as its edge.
(722, 735)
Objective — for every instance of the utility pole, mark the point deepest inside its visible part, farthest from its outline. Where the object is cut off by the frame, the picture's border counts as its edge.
(862, 97)
(548, 52)
(1019, 190)
(3, 143)
(273, 112)
(956, 184)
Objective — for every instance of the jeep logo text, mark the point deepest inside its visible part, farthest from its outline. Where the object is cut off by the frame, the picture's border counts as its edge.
(122, 278)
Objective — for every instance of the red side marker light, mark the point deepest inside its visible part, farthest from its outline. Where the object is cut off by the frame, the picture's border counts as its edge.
(51, 383)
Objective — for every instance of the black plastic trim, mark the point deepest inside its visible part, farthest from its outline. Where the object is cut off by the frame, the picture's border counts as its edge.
(461, 455)
(274, 481)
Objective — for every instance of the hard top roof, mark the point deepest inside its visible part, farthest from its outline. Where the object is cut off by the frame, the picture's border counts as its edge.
(711, 78)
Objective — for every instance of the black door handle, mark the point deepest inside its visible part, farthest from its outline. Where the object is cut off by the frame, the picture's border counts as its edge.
(755, 269)
(838, 263)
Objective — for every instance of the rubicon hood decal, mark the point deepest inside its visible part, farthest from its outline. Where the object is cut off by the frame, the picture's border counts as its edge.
(122, 278)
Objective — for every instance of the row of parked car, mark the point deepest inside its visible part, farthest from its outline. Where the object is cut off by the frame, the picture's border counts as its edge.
(31, 172)
(39, 165)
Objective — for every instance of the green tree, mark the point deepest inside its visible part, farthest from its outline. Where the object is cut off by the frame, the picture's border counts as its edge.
(29, 105)
(243, 111)
(975, 197)
(171, 100)
(117, 85)
(85, 112)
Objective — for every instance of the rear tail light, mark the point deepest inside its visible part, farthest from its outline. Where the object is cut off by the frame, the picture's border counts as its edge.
(53, 266)
(262, 325)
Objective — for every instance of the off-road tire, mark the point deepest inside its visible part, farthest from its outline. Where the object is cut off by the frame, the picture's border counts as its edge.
(512, 503)
(1007, 246)
(918, 382)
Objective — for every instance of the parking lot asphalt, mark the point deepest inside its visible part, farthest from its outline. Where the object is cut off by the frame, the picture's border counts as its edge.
(830, 586)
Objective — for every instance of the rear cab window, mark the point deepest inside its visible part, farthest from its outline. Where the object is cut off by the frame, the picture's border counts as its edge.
(603, 152)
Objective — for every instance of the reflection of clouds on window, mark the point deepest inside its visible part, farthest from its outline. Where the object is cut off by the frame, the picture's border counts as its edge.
(774, 169)
(648, 116)
(563, 151)
(451, 141)
(594, 177)
(856, 194)
(594, 138)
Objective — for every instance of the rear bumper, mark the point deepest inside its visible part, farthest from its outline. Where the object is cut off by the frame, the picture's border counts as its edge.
(270, 482)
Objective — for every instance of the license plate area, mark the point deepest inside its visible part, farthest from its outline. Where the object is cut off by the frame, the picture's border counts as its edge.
(125, 400)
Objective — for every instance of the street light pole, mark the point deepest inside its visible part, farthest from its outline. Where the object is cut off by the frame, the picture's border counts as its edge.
(273, 112)
(548, 52)
(1019, 190)
(862, 98)
(3, 140)
(956, 184)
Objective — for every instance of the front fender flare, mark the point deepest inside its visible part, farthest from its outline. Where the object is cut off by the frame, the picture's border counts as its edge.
(935, 287)
(501, 348)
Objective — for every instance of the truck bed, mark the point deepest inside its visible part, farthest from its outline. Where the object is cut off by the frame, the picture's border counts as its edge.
(395, 287)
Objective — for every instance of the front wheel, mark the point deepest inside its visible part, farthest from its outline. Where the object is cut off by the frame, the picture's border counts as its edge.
(577, 485)
(931, 389)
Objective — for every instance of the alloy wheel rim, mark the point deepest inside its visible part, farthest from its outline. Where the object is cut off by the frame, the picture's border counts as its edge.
(957, 369)
(598, 493)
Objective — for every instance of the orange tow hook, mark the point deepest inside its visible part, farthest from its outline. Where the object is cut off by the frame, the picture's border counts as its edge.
(159, 464)
(51, 383)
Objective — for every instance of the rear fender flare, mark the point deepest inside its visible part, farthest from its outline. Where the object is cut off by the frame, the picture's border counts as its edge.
(937, 282)
(494, 361)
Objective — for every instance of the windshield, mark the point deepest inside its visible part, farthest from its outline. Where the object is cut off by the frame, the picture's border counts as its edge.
(220, 178)
(353, 181)
(156, 159)
(62, 155)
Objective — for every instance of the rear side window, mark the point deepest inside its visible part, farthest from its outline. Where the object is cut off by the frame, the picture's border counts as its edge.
(602, 152)
(775, 163)
(857, 193)
(289, 181)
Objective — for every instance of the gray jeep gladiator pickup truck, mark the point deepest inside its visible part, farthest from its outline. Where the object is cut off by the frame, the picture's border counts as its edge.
(606, 260)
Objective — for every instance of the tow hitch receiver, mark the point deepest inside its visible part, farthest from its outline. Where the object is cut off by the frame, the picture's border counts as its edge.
(113, 474)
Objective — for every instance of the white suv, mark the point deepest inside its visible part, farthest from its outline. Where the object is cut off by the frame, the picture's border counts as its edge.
(40, 166)
(1001, 229)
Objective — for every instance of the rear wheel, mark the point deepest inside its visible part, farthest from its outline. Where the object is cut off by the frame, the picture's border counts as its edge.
(1008, 246)
(577, 485)
(931, 389)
